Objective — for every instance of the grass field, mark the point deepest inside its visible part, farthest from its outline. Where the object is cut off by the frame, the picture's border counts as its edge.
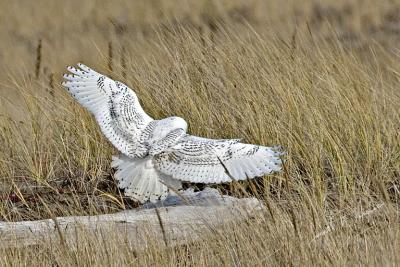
(320, 78)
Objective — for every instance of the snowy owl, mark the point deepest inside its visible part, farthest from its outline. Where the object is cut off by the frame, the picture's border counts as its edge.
(157, 155)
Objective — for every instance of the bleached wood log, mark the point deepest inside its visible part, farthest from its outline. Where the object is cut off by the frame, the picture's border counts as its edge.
(172, 220)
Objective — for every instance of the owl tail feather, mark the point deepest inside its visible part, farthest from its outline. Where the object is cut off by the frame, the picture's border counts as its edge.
(140, 179)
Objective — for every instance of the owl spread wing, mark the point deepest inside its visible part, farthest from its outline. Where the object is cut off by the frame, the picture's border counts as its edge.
(114, 105)
(202, 160)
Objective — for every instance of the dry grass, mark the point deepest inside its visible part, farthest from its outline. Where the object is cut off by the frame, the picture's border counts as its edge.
(321, 79)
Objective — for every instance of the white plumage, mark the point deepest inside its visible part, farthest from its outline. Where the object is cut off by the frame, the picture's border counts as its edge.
(158, 154)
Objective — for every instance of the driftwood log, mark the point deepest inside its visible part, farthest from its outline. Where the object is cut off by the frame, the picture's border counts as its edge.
(178, 218)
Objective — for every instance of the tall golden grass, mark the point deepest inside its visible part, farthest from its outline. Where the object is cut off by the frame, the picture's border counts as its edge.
(321, 79)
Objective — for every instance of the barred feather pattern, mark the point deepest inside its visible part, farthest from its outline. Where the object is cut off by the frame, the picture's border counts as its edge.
(158, 154)
(115, 107)
(202, 160)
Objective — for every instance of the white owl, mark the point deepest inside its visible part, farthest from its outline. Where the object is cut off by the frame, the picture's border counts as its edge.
(159, 154)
